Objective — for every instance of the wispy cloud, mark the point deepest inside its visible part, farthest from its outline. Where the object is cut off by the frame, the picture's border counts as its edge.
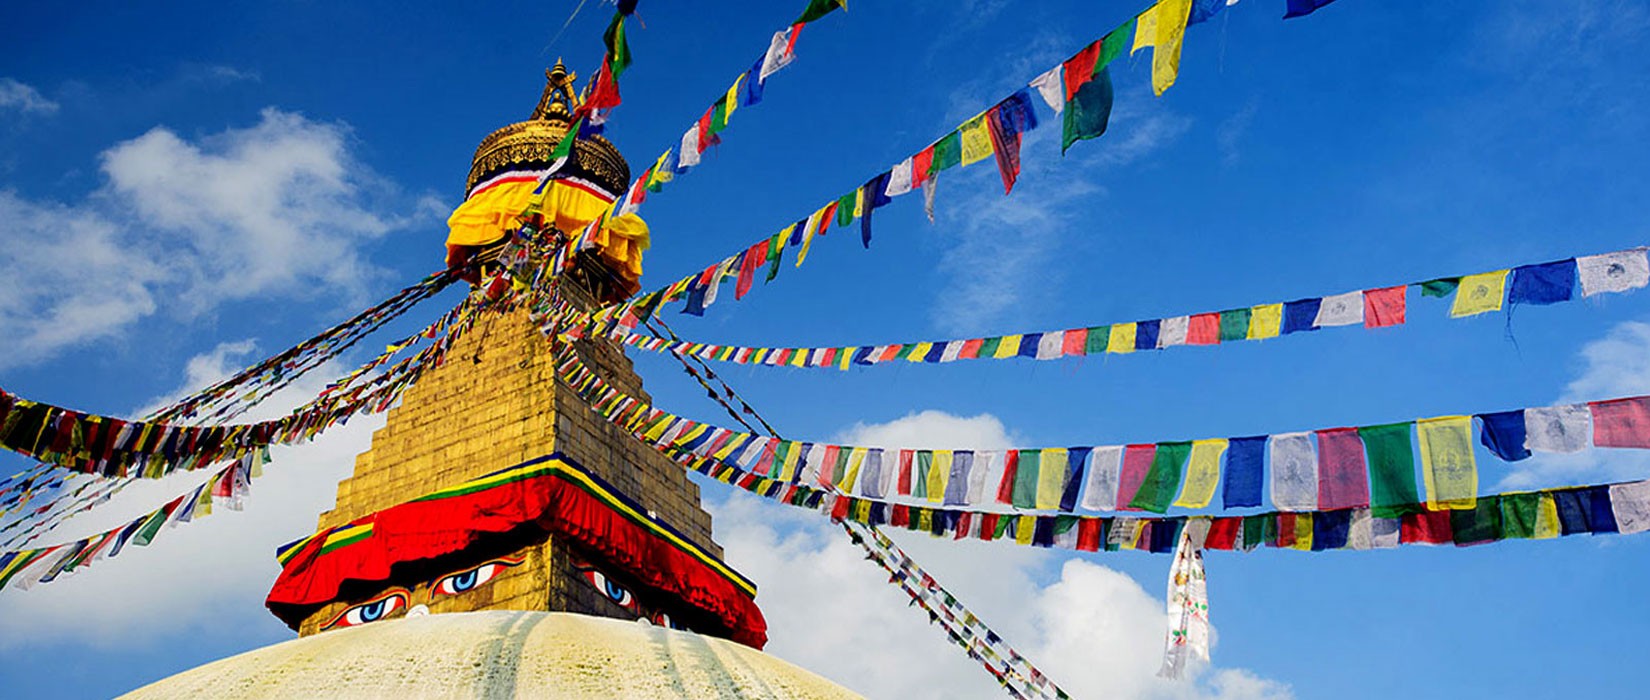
(1229, 134)
(23, 98)
(278, 208)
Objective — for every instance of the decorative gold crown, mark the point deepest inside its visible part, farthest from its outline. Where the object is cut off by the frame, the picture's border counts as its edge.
(524, 145)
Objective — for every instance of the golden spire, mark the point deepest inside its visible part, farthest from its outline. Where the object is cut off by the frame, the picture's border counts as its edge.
(560, 98)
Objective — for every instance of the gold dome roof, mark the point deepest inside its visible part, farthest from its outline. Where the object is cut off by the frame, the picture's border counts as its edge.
(499, 654)
(527, 145)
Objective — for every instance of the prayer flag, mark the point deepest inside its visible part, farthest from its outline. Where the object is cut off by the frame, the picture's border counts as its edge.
(1202, 473)
(1051, 477)
(1137, 462)
(1051, 86)
(1163, 28)
(1203, 329)
(1384, 307)
(1162, 481)
(957, 481)
(1543, 284)
(938, 468)
(1519, 513)
(1621, 422)
(1341, 310)
(1145, 335)
(1076, 466)
(1504, 434)
(1477, 525)
(1245, 469)
(1557, 428)
(1007, 121)
(1234, 324)
(1301, 315)
(819, 8)
(1100, 493)
(899, 178)
(1265, 321)
(1447, 462)
(976, 140)
(1343, 477)
(947, 152)
(1481, 293)
(1613, 272)
(1173, 331)
(1294, 472)
(1391, 468)
(1122, 338)
(1441, 287)
(1087, 112)
(1302, 8)
(1630, 506)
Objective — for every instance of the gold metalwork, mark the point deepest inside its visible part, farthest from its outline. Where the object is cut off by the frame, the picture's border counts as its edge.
(533, 140)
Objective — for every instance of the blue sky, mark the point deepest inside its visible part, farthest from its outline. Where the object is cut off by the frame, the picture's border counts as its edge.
(183, 191)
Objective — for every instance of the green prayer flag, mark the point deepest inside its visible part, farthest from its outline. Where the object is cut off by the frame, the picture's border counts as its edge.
(819, 8)
(1099, 337)
(150, 528)
(564, 147)
(919, 475)
(618, 49)
(1479, 524)
(988, 347)
(1258, 530)
(1391, 469)
(1064, 523)
(1087, 113)
(1003, 523)
(1234, 324)
(1441, 287)
(1519, 512)
(1114, 44)
(845, 209)
(776, 251)
(1025, 478)
(1162, 482)
(718, 117)
(947, 153)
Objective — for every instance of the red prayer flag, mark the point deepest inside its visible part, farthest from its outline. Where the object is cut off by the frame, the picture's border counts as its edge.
(1343, 476)
(1426, 527)
(903, 488)
(970, 349)
(1011, 465)
(920, 165)
(1621, 422)
(1223, 533)
(755, 257)
(1006, 145)
(988, 526)
(1137, 461)
(1079, 69)
(900, 517)
(839, 509)
(1203, 329)
(1286, 531)
(1384, 307)
(963, 521)
(1075, 343)
(1088, 535)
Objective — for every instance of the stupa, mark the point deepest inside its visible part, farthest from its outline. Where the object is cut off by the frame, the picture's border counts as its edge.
(496, 515)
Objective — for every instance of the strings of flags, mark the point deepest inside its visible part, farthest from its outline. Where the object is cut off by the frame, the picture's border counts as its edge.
(1078, 91)
(348, 396)
(1383, 307)
(1622, 507)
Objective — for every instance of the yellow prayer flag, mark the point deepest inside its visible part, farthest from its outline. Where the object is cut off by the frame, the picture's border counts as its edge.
(732, 97)
(1303, 532)
(1009, 346)
(1121, 338)
(859, 203)
(1447, 462)
(1145, 30)
(856, 457)
(1051, 477)
(799, 358)
(939, 472)
(976, 140)
(1025, 528)
(1202, 473)
(661, 174)
(1265, 321)
(845, 358)
(925, 519)
(1479, 294)
(1163, 27)
(1546, 518)
(793, 458)
(920, 352)
(807, 235)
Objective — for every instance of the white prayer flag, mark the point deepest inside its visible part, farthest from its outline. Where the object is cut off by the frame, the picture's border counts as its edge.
(1631, 505)
(899, 179)
(1052, 86)
(1173, 331)
(1613, 272)
(1341, 310)
(1105, 465)
(1294, 472)
(1558, 428)
(1051, 346)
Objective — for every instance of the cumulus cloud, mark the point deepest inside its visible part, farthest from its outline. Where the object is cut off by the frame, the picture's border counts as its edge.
(1615, 365)
(278, 208)
(207, 577)
(23, 98)
(1092, 629)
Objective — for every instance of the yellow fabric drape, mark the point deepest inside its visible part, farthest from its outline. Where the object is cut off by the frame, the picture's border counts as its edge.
(1202, 473)
(1163, 27)
(1447, 462)
(622, 240)
(484, 217)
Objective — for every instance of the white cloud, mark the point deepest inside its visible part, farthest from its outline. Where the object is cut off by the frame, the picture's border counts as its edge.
(1229, 135)
(1093, 630)
(1614, 366)
(24, 99)
(205, 577)
(278, 208)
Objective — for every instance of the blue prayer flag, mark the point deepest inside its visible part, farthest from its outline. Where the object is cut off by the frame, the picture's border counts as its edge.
(1077, 459)
(1028, 345)
(1301, 315)
(1330, 529)
(1245, 464)
(1504, 434)
(1145, 334)
(1302, 8)
(1543, 284)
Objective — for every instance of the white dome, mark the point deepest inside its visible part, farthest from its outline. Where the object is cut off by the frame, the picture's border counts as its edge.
(499, 654)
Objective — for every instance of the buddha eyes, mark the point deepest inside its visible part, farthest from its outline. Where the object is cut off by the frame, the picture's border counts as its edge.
(470, 579)
(371, 611)
(614, 592)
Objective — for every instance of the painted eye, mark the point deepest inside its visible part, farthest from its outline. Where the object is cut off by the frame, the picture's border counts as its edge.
(371, 611)
(614, 592)
(470, 579)
(664, 620)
